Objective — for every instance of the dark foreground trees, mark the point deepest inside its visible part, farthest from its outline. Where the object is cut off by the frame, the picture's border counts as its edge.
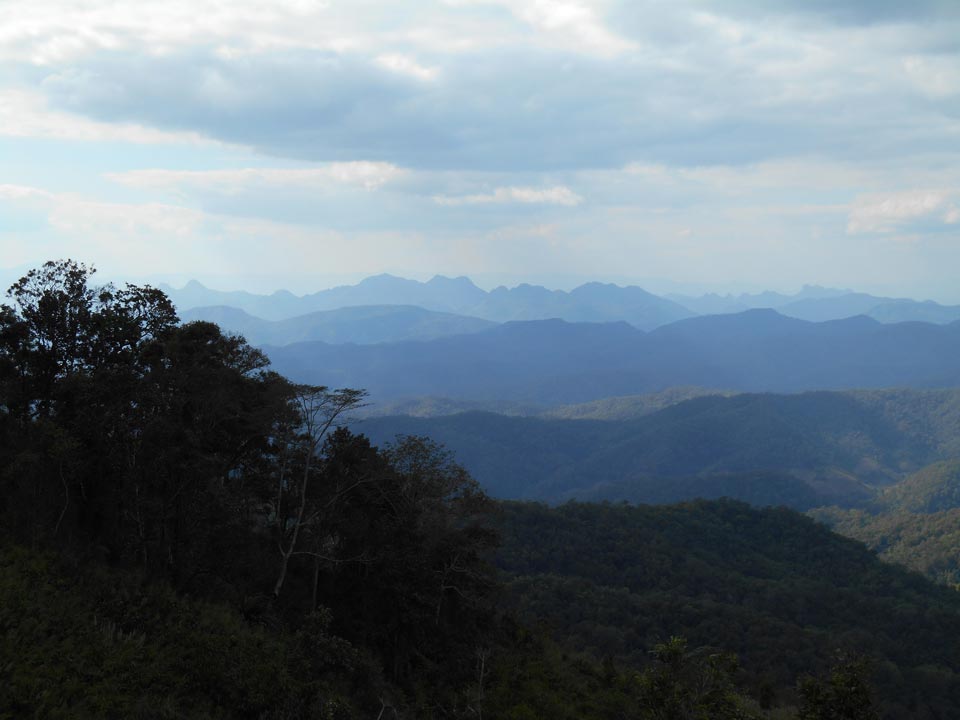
(175, 450)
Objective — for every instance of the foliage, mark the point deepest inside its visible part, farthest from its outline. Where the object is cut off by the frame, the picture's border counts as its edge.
(915, 523)
(844, 695)
(690, 685)
(78, 640)
(777, 589)
(925, 542)
(929, 490)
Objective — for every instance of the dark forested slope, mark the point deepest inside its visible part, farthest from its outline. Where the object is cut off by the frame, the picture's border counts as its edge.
(777, 588)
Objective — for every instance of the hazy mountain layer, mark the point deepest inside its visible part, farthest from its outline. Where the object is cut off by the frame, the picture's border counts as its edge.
(629, 407)
(592, 302)
(801, 450)
(548, 363)
(365, 324)
(716, 304)
(612, 408)
(819, 304)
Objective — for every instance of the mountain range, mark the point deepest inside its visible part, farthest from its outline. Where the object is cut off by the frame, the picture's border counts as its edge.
(361, 324)
(800, 450)
(552, 362)
(592, 302)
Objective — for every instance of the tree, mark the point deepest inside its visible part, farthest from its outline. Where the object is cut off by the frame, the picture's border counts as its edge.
(123, 426)
(317, 409)
(70, 355)
(844, 694)
(687, 684)
(423, 593)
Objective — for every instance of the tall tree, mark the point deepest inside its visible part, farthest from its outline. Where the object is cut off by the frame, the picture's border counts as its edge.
(299, 503)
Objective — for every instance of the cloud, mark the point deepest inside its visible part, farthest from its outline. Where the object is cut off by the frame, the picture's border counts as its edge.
(936, 77)
(893, 212)
(51, 32)
(366, 175)
(27, 114)
(573, 24)
(557, 195)
(407, 66)
(77, 215)
(23, 193)
(847, 13)
(124, 239)
(706, 89)
(169, 238)
(80, 217)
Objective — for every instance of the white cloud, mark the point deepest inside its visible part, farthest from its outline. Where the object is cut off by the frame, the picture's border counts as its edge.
(935, 77)
(367, 175)
(572, 24)
(23, 193)
(558, 195)
(405, 65)
(889, 212)
(50, 32)
(81, 217)
(788, 174)
(26, 114)
(124, 239)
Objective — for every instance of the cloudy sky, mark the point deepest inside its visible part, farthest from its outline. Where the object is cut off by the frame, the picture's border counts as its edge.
(262, 143)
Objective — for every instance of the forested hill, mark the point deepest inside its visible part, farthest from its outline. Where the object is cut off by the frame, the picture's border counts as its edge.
(802, 450)
(915, 523)
(779, 589)
(553, 362)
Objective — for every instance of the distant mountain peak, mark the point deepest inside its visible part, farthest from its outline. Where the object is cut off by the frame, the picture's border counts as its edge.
(598, 284)
(819, 291)
(383, 277)
(461, 280)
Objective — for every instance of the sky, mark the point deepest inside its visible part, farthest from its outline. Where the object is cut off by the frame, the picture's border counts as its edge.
(684, 145)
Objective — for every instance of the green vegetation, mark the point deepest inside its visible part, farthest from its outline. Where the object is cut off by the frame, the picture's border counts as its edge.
(915, 523)
(926, 543)
(78, 640)
(777, 589)
(629, 407)
(930, 490)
